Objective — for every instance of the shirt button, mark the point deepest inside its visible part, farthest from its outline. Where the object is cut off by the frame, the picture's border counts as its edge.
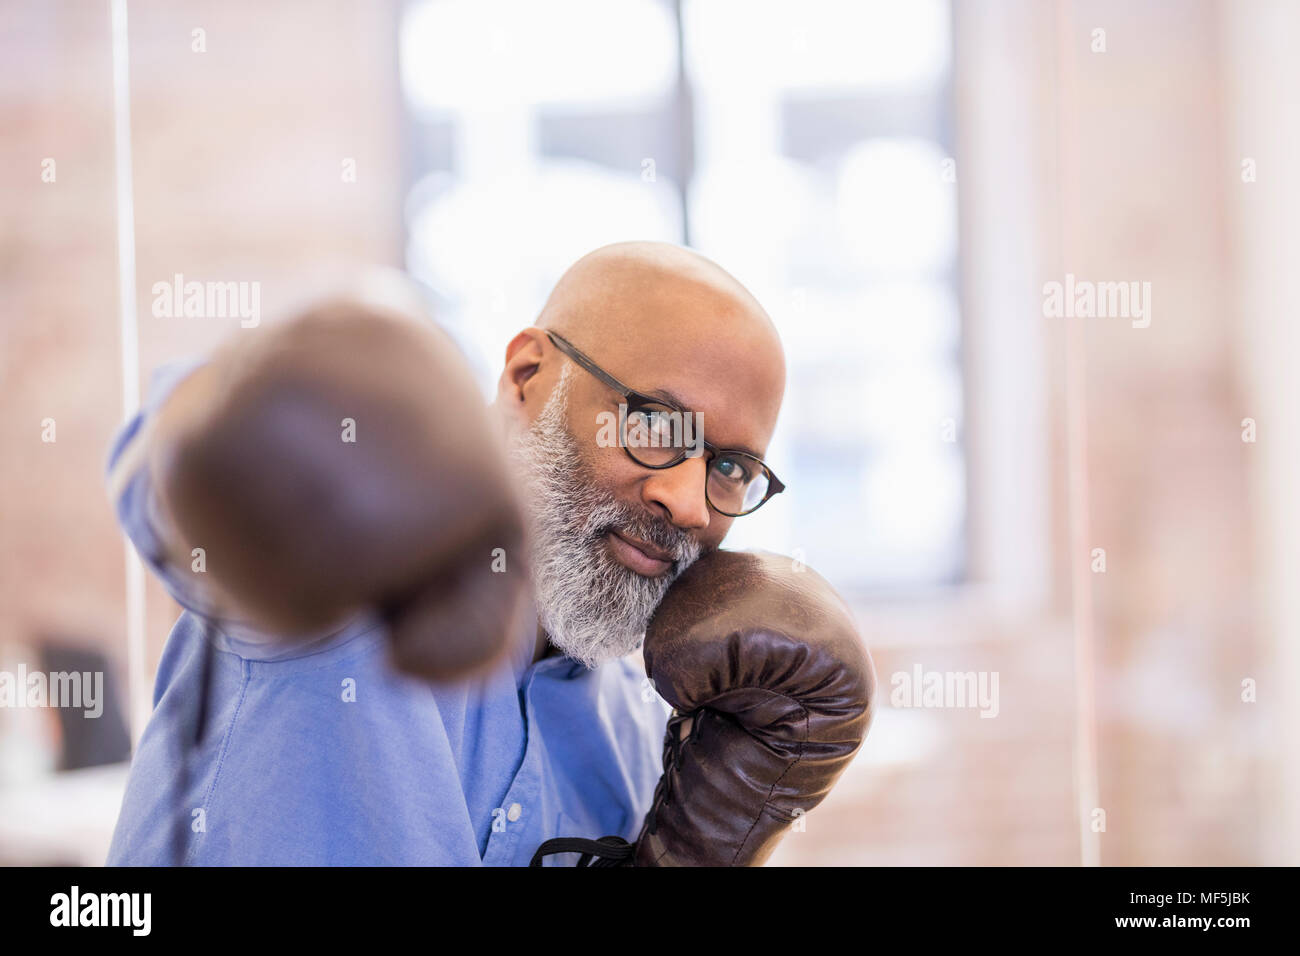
(513, 813)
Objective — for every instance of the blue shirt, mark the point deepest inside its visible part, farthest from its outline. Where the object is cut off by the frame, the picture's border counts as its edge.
(322, 754)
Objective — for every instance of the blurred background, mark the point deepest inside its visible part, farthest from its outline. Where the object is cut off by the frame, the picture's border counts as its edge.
(1098, 515)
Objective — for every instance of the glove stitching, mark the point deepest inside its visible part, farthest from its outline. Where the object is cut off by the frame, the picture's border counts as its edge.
(799, 756)
(772, 789)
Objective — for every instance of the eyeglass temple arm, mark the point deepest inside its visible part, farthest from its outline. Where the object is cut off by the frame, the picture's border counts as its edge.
(564, 346)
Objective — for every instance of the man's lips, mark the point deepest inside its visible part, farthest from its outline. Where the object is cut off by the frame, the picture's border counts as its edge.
(639, 556)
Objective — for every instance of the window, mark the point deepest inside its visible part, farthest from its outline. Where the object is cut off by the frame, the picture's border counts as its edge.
(805, 148)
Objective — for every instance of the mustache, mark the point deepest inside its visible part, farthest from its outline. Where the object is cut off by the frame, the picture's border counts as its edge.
(637, 524)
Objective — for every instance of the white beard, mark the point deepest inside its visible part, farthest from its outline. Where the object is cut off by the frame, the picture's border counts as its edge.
(591, 607)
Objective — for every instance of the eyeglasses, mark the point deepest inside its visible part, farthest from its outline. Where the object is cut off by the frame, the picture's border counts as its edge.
(657, 434)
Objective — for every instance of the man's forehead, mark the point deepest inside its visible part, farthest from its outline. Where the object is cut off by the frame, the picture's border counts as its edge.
(662, 318)
(702, 350)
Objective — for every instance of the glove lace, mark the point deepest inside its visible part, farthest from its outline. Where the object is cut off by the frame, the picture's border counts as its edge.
(673, 748)
(607, 851)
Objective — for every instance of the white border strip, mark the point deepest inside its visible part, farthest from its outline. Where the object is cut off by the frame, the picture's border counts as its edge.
(1087, 786)
(130, 344)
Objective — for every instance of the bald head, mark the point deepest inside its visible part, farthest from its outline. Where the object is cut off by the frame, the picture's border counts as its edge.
(660, 317)
(658, 289)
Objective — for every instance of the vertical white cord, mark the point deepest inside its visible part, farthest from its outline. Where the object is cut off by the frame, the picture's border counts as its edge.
(137, 688)
(1076, 429)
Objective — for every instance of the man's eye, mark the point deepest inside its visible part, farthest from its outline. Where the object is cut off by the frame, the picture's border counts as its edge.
(661, 424)
(651, 428)
(731, 470)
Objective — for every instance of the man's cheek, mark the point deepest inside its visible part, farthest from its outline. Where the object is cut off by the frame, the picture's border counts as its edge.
(595, 431)
(614, 475)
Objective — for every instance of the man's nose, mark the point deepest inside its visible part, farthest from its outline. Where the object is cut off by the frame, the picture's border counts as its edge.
(679, 492)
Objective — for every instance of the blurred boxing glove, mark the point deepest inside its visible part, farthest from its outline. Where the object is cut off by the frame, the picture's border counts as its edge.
(772, 688)
(345, 462)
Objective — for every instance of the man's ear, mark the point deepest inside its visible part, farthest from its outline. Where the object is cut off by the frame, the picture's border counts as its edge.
(523, 358)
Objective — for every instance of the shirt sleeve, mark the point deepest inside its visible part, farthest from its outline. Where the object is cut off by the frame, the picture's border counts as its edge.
(133, 495)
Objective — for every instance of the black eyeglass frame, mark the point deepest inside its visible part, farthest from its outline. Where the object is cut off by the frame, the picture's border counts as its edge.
(635, 400)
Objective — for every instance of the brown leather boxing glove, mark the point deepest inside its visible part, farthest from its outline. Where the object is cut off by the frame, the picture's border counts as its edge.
(773, 689)
(303, 527)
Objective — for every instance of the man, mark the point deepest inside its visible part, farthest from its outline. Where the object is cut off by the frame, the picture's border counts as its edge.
(315, 750)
